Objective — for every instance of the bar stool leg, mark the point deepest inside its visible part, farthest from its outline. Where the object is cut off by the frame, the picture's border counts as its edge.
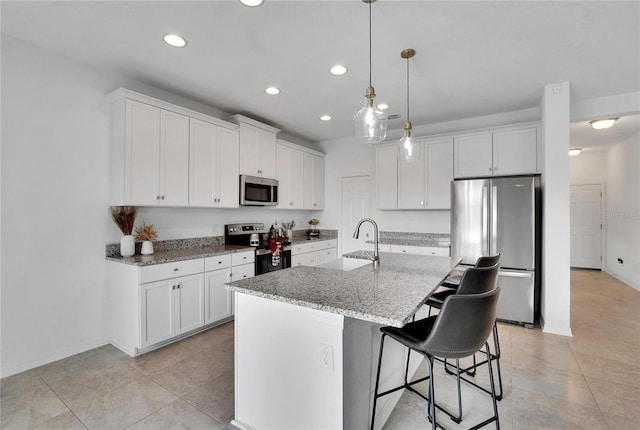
(375, 393)
(432, 396)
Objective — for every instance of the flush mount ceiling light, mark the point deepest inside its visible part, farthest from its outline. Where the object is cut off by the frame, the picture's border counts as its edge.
(408, 148)
(383, 106)
(325, 118)
(600, 124)
(574, 151)
(251, 3)
(370, 124)
(272, 91)
(175, 40)
(338, 70)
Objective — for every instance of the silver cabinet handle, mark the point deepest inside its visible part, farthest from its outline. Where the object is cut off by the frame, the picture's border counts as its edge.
(162, 198)
(157, 197)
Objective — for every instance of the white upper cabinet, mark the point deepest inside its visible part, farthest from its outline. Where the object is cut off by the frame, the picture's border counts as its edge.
(426, 183)
(313, 181)
(300, 177)
(257, 147)
(214, 166)
(473, 155)
(387, 177)
(156, 156)
(496, 153)
(439, 173)
(151, 140)
(289, 163)
(420, 184)
(515, 152)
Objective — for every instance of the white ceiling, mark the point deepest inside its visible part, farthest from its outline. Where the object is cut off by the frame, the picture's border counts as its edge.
(473, 58)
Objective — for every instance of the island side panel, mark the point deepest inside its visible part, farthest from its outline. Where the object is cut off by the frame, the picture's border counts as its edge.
(361, 350)
(288, 365)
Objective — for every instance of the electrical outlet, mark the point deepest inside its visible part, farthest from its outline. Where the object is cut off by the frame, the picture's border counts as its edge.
(620, 261)
(325, 356)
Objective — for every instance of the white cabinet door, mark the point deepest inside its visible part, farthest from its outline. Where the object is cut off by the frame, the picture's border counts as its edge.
(189, 303)
(327, 255)
(386, 177)
(313, 181)
(473, 156)
(217, 298)
(515, 152)
(228, 167)
(439, 173)
(174, 159)
(257, 152)
(157, 322)
(142, 154)
(290, 165)
(244, 271)
(411, 183)
(214, 162)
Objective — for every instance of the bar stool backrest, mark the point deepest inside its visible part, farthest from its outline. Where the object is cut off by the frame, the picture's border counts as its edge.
(463, 325)
(477, 280)
(488, 260)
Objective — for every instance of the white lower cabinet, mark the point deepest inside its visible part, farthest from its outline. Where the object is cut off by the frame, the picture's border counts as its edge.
(170, 308)
(313, 253)
(218, 301)
(153, 305)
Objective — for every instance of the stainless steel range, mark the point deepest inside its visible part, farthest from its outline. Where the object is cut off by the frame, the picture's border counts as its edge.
(271, 253)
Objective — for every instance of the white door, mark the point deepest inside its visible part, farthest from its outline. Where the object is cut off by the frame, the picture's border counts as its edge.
(157, 324)
(174, 159)
(356, 204)
(586, 226)
(189, 306)
(217, 298)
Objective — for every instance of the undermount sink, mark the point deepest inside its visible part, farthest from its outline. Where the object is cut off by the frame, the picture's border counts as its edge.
(346, 264)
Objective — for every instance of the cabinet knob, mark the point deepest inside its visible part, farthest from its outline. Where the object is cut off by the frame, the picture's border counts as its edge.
(173, 287)
(290, 203)
(157, 197)
(490, 169)
(162, 198)
(175, 269)
(179, 285)
(315, 204)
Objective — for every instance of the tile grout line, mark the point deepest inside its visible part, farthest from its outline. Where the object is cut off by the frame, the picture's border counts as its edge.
(61, 399)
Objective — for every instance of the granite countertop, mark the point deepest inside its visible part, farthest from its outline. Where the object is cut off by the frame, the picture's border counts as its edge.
(413, 242)
(305, 239)
(389, 295)
(170, 256)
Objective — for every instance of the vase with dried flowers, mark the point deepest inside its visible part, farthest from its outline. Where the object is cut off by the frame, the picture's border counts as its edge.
(124, 217)
(146, 233)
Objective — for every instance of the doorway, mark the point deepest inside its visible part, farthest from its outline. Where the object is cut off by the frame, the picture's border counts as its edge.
(586, 226)
(356, 204)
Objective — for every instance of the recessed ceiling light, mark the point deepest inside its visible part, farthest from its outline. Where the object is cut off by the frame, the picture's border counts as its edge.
(575, 151)
(600, 124)
(338, 70)
(175, 40)
(251, 3)
(325, 118)
(383, 106)
(272, 90)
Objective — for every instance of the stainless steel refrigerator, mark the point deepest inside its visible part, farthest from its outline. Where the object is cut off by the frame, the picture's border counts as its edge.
(501, 215)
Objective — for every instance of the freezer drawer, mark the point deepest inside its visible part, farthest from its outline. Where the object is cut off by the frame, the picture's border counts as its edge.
(516, 296)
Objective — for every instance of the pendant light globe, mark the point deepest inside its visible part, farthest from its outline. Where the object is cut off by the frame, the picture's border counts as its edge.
(408, 148)
(370, 123)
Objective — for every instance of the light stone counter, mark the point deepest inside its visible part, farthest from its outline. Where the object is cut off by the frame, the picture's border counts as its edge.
(173, 255)
(389, 295)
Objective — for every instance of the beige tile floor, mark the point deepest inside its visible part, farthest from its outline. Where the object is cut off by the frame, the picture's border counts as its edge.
(590, 381)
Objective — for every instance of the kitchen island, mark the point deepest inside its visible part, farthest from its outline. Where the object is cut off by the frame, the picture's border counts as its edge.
(306, 339)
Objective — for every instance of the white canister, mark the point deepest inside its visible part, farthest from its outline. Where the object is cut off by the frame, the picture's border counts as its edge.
(147, 247)
(127, 246)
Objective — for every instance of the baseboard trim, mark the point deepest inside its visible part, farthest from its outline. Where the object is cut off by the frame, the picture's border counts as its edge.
(623, 279)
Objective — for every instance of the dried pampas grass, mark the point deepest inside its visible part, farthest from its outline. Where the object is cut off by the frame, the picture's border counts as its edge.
(124, 217)
(146, 232)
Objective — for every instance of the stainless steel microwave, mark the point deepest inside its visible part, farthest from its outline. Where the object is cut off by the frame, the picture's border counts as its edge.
(255, 191)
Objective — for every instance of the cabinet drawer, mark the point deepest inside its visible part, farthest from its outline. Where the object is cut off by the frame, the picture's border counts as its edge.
(242, 272)
(170, 270)
(218, 262)
(326, 244)
(436, 250)
(301, 248)
(240, 258)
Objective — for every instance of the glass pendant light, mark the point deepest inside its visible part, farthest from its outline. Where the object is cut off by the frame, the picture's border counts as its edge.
(408, 148)
(370, 123)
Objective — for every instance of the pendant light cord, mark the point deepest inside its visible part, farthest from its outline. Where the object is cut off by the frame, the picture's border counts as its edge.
(370, 44)
(408, 89)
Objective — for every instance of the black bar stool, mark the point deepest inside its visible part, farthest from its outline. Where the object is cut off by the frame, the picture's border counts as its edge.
(460, 330)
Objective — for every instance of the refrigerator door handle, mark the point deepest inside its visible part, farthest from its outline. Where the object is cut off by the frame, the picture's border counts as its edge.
(494, 221)
(516, 274)
(485, 223)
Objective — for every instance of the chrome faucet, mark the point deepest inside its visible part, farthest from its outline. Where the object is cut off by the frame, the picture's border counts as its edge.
(356, 234)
